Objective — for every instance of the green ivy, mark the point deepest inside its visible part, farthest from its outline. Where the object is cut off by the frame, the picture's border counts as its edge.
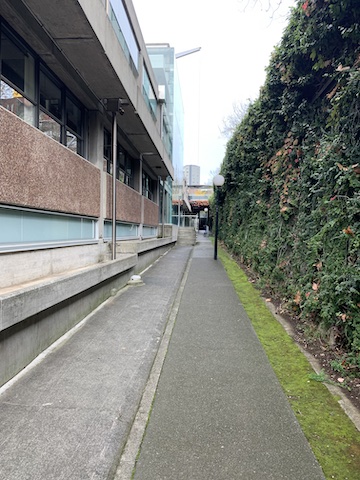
(290, 206)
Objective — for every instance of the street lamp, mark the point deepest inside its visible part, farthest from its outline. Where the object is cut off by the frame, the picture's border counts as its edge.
(206, 211)
(218, 181)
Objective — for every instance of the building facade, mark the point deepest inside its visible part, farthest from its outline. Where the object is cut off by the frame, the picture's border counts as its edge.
(163, 61)
(192, 174)
(84, 165)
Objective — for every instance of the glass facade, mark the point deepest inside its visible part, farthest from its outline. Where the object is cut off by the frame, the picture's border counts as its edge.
(163, 62)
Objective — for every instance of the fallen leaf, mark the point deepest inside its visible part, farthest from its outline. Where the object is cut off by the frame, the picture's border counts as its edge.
(297, 298)
(348, 231)
(356, 168)
(318, 265)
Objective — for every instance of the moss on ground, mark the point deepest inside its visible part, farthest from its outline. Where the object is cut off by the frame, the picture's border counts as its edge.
(333, 438)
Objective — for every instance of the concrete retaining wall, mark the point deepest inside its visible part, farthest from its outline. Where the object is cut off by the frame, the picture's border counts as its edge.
(35, 315)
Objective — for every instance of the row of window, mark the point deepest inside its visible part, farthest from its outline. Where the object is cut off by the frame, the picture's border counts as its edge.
(126, 168)
(29, 90)
(33, 229)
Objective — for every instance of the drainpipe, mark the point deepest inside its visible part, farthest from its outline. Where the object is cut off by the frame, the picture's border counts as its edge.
(114, 105)
(114, 157)
(163, 210)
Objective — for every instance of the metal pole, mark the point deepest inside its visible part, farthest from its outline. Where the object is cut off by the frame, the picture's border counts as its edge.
(114, 158)
(216, 226)
(163, 210)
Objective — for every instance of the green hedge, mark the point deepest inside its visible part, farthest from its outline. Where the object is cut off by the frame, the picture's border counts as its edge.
(290, 206)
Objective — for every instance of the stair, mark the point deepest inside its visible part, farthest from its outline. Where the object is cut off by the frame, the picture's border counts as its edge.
(186, 236)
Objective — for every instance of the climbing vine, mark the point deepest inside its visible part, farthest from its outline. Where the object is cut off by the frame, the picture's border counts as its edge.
(290, 206)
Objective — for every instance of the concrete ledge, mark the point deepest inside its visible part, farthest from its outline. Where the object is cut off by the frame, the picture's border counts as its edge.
(17, 304)
(35, 314)
(142, 246)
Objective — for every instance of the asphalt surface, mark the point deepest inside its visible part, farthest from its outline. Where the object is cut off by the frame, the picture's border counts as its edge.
(218, 412)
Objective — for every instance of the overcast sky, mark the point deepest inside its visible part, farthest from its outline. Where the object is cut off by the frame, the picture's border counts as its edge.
(236, 40)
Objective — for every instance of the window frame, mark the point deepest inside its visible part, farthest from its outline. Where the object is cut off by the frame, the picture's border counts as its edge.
(65, 94)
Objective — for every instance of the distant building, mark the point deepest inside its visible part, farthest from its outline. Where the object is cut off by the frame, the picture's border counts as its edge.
(192, 174)
(163, 62)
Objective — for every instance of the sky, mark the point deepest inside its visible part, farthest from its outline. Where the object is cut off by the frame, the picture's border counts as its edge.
(236, 38)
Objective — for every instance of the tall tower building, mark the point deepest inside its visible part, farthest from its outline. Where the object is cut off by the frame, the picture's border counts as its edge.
(192, 174)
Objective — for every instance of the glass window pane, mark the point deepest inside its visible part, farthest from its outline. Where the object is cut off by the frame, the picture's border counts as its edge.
(50, 96)
(21, 226)
(48, 125)
(72, 142)
(13, 100)
(73, 117)
(107, 145)
(18, 66)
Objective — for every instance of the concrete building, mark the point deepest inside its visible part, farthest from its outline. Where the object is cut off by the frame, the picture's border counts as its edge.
(79, 100)
(192, 174)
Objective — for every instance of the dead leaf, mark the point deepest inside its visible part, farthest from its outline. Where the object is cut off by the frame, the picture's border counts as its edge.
(348, 231)
(315, 287)
(318, 266)
(341, 167)
(297, 298)
(356, 168)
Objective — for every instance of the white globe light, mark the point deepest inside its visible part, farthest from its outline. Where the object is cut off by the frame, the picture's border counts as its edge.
(218, 180)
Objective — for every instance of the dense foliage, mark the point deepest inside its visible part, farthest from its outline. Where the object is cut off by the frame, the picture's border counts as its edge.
(290, 206)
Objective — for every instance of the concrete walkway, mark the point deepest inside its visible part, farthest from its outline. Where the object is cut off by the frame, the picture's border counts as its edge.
(219, 412)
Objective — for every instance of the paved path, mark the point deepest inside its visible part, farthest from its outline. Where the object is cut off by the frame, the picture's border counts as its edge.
(219, 412)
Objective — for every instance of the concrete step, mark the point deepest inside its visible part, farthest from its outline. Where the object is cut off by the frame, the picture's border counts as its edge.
(186, 236)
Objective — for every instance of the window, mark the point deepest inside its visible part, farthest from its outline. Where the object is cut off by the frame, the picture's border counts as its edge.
(29, 229)
(148, 186)
(124, 164)
(50, 96)
(17, 87)
(49, 126)
(74, 125)
(124, 32)
(45, 103)
(149, 94)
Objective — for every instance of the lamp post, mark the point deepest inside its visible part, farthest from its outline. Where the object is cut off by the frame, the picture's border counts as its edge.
(218, 181)
(206, 211)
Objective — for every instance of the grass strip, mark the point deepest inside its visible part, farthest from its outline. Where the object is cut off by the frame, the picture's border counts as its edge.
(332, 436)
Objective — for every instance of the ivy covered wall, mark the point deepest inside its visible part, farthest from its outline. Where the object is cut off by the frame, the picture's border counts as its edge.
(290, 206)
